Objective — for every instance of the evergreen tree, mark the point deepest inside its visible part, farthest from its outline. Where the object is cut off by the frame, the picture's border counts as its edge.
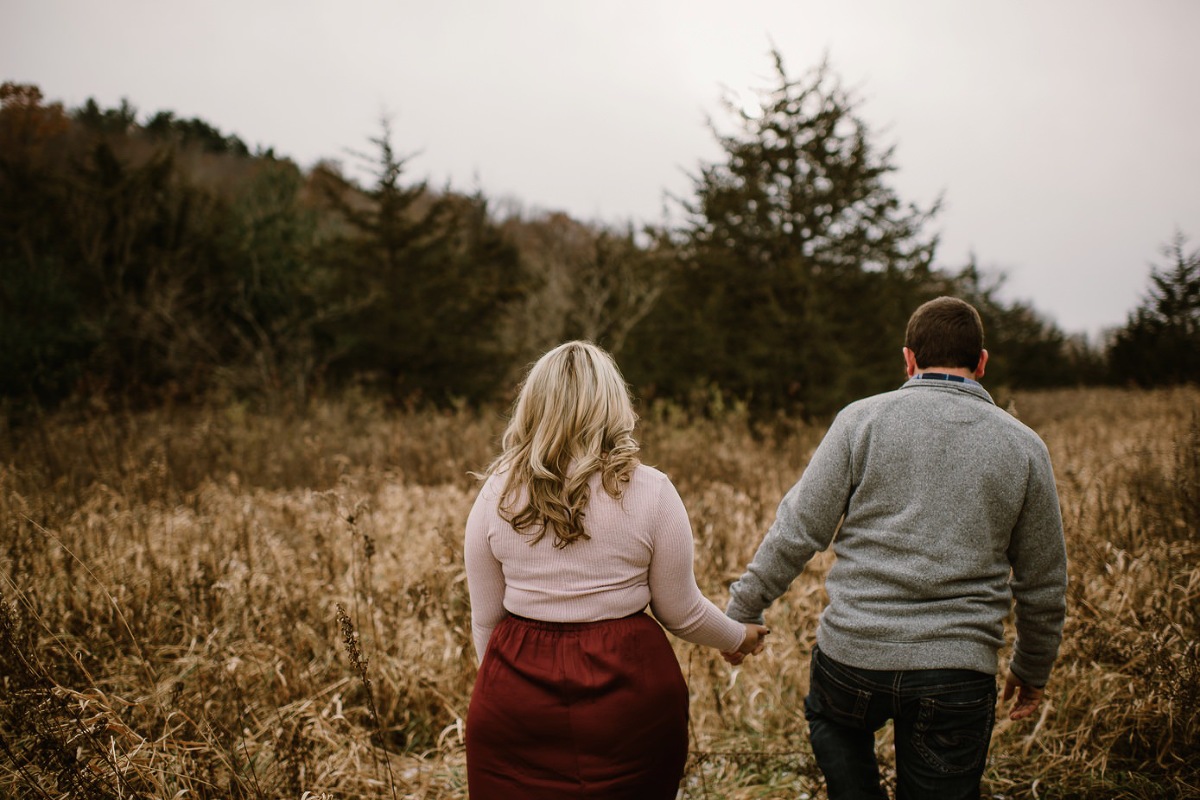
(434, 278)
(801, 262)
(1160, 343)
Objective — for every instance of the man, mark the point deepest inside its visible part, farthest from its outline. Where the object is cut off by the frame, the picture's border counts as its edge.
(948, 513)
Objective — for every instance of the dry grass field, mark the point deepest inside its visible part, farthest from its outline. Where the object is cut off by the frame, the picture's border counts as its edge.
(216, 603)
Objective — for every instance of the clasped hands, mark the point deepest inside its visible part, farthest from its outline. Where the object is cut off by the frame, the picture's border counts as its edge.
(751, 645)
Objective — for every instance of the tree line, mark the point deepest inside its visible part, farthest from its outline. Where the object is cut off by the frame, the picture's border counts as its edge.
(164, 261)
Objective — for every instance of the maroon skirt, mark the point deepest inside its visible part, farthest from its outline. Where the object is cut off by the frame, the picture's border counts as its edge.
(567, 710)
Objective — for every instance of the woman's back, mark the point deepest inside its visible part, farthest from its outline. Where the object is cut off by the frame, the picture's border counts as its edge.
(638, 552)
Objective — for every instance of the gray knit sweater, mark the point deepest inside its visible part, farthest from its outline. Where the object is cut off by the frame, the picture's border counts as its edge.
(948, 513)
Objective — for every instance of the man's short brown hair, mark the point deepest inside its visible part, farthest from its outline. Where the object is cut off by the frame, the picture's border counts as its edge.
(945, 332)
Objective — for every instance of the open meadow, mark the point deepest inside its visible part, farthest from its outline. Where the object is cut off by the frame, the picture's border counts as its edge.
(221, 603)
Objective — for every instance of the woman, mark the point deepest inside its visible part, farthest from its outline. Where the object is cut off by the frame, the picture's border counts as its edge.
(579, 693)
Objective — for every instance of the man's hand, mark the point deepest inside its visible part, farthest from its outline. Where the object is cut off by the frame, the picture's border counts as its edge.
(752, 645)
(1028, 697)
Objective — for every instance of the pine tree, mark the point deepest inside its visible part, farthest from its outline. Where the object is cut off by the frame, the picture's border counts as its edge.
(802, 263)
(1160, 343)
(433, 278)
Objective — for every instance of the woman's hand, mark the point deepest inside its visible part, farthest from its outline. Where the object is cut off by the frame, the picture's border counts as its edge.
(752, 644)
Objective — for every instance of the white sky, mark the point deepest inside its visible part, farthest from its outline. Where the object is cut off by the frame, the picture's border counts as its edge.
(1062, 135)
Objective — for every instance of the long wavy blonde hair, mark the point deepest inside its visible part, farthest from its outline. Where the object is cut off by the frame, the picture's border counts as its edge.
(573, 418)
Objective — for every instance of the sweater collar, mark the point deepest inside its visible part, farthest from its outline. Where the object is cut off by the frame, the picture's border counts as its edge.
(966, 387)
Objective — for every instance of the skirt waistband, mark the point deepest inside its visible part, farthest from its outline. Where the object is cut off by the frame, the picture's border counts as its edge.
(543, 625)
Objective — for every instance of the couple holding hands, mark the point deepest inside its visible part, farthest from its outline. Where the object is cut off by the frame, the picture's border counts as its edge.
(941, 509)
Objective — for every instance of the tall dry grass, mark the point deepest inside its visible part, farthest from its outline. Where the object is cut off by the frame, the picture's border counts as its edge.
(217, 603)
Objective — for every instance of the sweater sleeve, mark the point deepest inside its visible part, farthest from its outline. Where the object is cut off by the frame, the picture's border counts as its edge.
(1037, 553)
(807, 519)
(675, 599)
(485, 577)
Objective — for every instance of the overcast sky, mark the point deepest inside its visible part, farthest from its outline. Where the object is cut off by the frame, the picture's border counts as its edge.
(1062, 136)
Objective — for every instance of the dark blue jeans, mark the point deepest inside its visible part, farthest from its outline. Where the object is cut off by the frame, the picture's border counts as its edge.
(942, 721)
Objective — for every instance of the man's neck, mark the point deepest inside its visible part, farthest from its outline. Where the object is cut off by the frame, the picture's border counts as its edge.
(961, 372)
(958, 375)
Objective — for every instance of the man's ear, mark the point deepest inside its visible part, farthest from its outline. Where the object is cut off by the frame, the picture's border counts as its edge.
(910, 362)
(983, 357)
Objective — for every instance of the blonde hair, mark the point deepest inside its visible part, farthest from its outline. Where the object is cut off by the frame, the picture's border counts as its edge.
(573, 418)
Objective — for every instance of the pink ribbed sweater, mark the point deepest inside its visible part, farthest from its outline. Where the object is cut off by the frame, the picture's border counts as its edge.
(640, 553)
